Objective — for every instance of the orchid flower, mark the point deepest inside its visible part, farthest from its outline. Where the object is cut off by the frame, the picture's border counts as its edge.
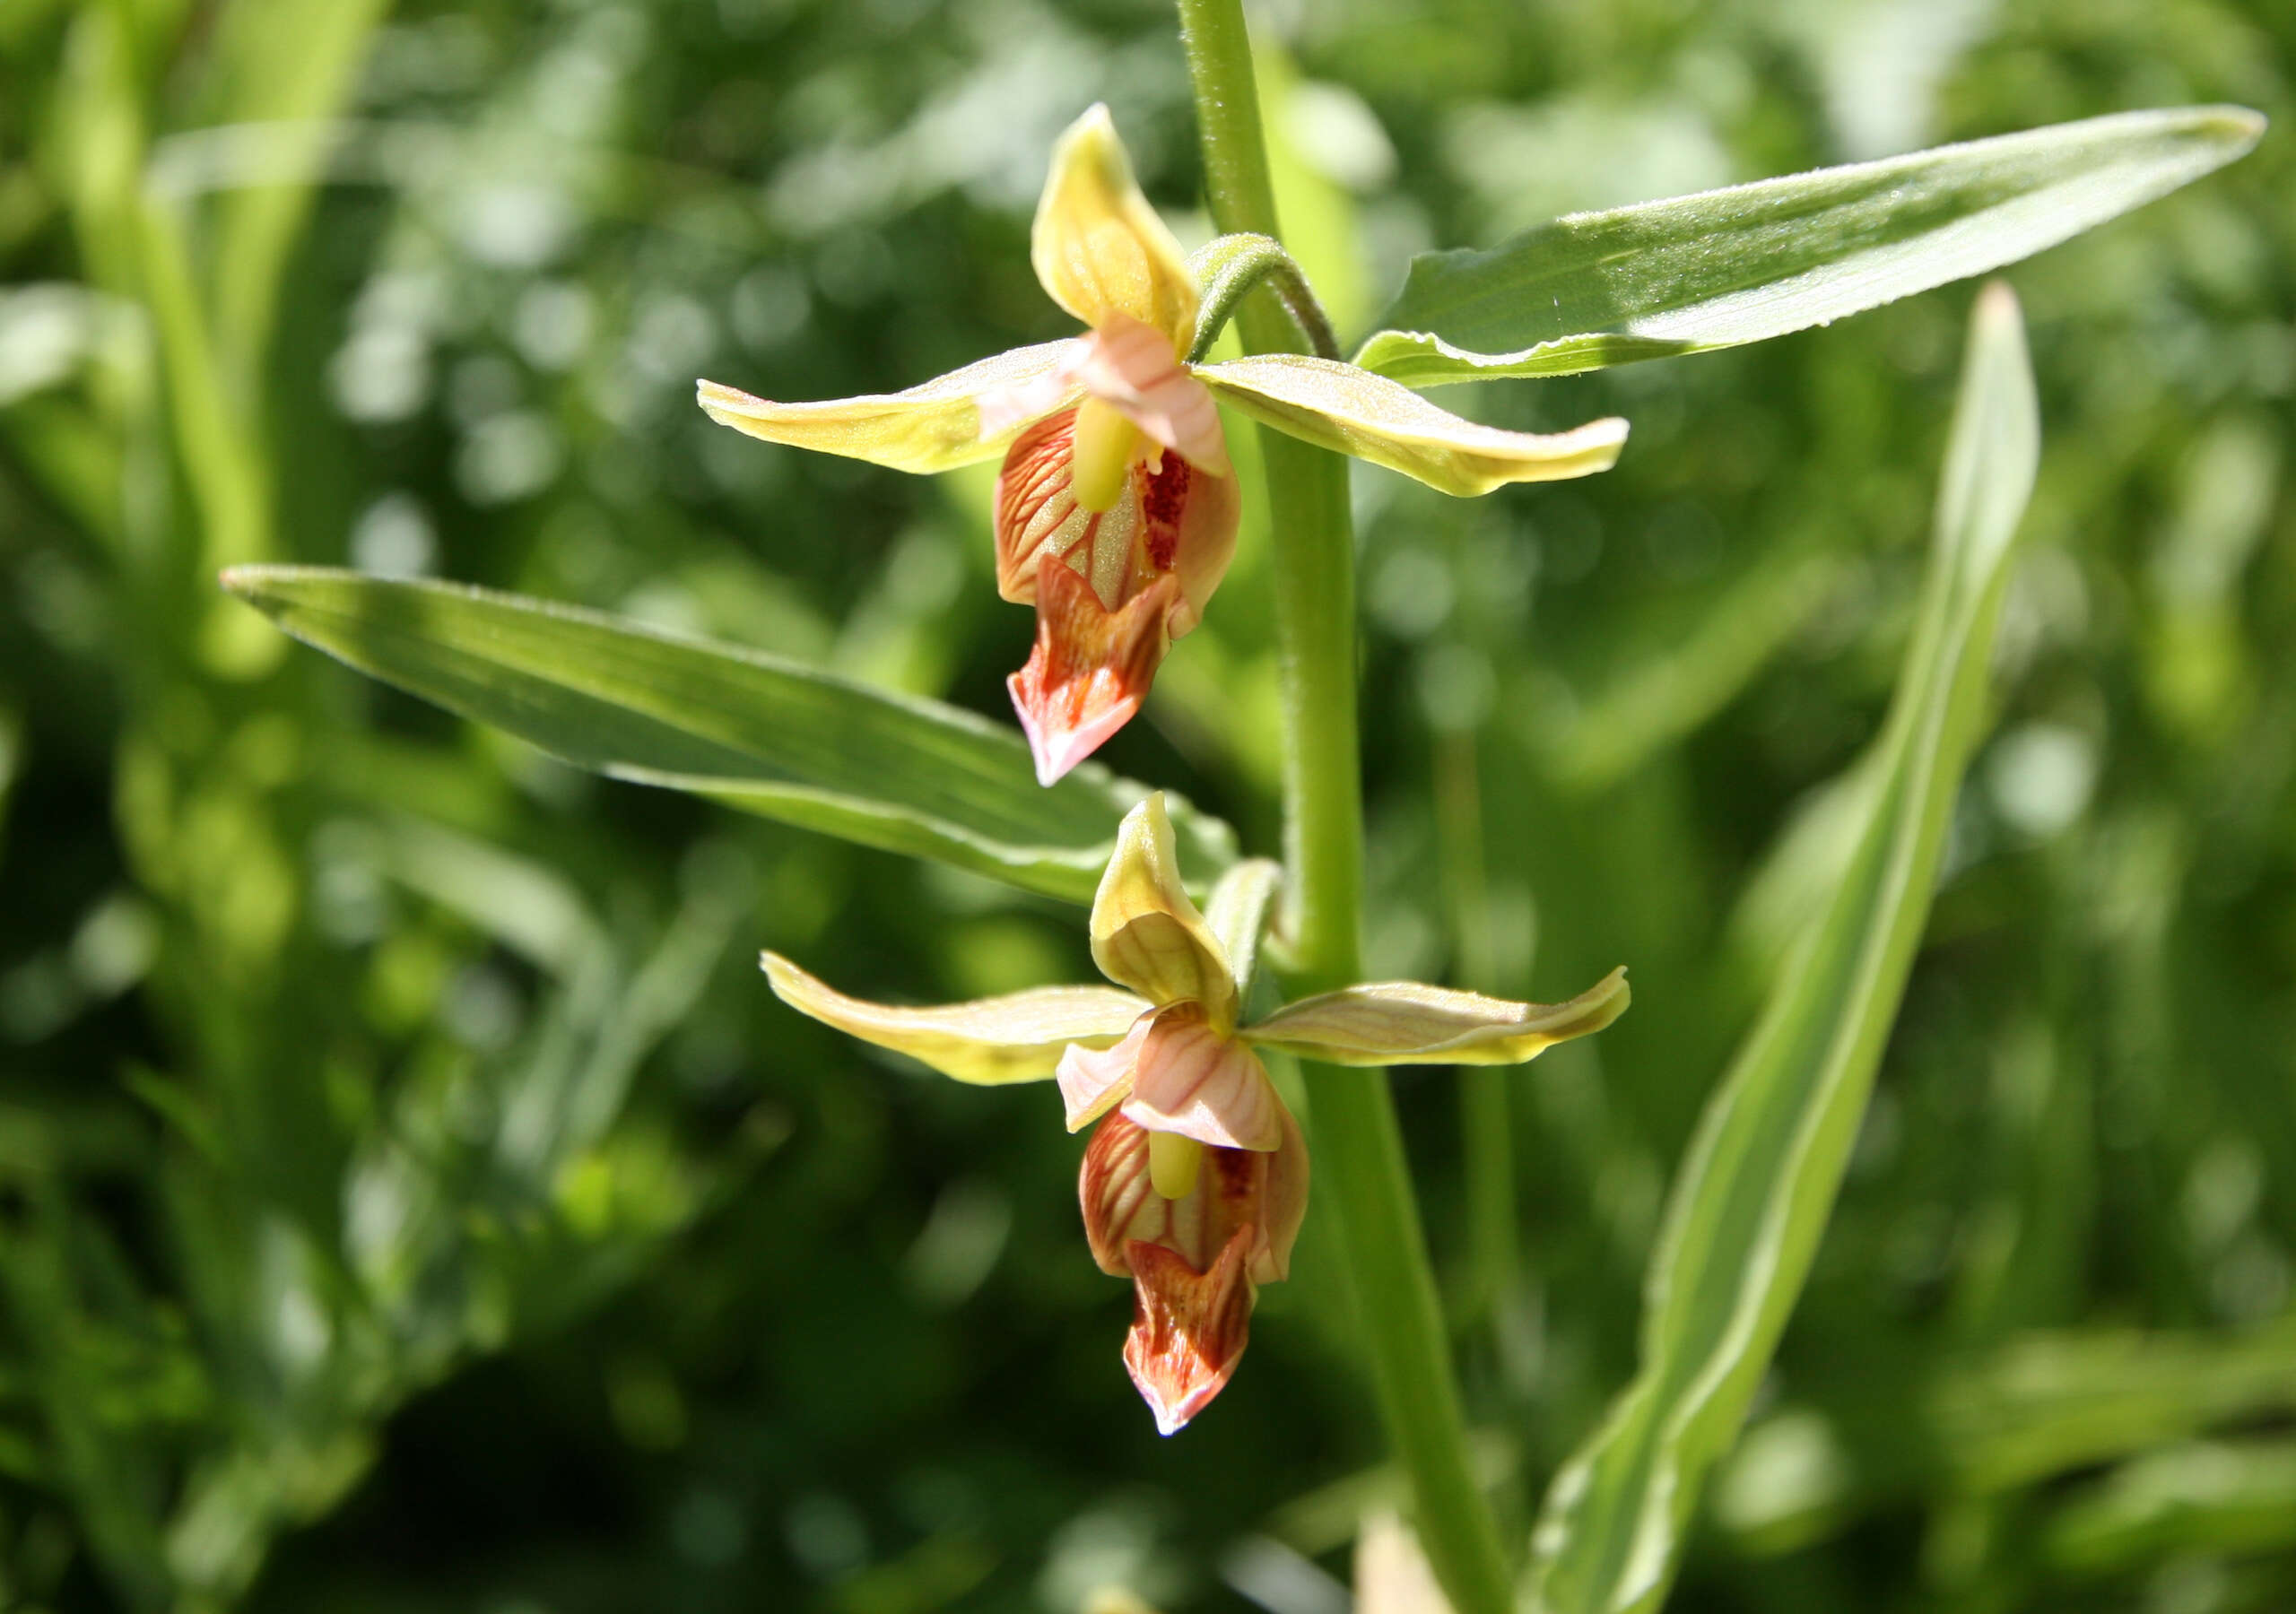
(1117, 508)
(1195, 1181)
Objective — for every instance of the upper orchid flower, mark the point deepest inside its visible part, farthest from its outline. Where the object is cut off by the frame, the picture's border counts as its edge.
(1116, 510)
(1195, 1183)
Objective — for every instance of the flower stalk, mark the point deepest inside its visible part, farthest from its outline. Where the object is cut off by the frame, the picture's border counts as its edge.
(1356, 1131)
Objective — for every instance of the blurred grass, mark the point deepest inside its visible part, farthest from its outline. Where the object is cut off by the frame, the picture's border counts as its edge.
(409, 1196)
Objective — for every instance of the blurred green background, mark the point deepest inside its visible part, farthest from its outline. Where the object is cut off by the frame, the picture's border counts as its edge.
(412, 1199)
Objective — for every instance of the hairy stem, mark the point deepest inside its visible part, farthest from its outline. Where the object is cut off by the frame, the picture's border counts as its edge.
(1227, 269)
(1360, 1148)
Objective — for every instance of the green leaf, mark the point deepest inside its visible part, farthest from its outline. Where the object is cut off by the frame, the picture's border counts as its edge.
(2229, 1497)
(1758, 1182)
(758, 732)
(2048, 1403)
(1755, 261)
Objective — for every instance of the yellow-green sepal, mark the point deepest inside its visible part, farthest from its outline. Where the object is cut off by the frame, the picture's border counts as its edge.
(1147, 934)
(988, 1041)
(1237, 913)
(934, 426)
(1342, 407)
(1099, 247)
(1405, 1022)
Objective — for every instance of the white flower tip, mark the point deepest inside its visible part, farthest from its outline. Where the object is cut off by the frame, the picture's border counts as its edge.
(1059, 741)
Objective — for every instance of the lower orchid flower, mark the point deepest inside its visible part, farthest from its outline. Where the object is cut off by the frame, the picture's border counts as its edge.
(1116, 509)
(1196, 1183)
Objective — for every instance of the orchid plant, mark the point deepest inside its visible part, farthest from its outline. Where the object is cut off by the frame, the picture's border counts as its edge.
(1114, 516)
(1195, 1186)
(1116, 509)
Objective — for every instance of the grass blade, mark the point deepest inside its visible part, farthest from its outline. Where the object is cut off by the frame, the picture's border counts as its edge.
(1758, 1182)
(756, 732)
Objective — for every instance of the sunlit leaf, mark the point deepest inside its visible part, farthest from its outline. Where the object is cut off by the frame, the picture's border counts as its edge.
(1723, 268)
(1757, 1185)
(752, 731)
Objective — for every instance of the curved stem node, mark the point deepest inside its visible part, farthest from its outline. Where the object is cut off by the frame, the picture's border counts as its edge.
(1229, 267)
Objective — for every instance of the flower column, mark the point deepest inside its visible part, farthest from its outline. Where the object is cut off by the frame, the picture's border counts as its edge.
(1354, 1115)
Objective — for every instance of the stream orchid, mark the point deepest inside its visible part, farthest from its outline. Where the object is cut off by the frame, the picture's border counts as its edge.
(1196, 1183)
(1117, 508)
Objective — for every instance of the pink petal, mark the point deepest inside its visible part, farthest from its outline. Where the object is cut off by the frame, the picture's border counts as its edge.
(1091, 1081)
(1189, 1078)
(1130, 365)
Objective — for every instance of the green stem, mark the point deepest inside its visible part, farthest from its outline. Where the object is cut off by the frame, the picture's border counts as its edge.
(1226, 269)
(1486, 1119)
(1357, 1139)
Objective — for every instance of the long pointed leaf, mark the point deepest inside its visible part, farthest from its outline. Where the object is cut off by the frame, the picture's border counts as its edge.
(1758, 1180)
(755, 732)
(1755, 261)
